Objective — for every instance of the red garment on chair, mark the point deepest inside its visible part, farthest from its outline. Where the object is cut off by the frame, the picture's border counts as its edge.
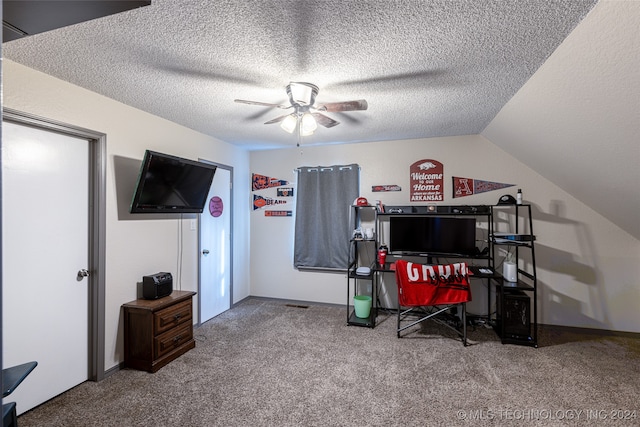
(423, 285)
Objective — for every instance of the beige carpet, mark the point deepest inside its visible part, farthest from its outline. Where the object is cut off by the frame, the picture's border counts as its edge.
(264, 363)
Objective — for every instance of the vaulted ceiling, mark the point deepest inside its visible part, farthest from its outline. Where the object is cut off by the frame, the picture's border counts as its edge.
(576, 121)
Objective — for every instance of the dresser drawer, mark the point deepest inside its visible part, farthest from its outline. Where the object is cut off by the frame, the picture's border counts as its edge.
(158, 331)
(165, 343)
(170, 317)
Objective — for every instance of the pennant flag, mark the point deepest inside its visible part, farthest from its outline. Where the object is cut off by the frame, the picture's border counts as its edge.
(468, 186)
(260, 202)
(260, 182)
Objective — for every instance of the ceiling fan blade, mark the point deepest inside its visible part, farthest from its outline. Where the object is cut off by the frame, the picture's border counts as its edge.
(277, 119)
(264, 104)
(441, 77)
(331, 107)
(325, 121)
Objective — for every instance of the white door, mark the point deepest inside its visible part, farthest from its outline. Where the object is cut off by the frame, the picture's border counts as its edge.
(215, 248)
(45, 232)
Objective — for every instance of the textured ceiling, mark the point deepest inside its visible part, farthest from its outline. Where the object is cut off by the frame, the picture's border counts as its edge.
(427, 68)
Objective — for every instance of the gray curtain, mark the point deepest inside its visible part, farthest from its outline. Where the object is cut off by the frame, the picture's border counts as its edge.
(324, 198)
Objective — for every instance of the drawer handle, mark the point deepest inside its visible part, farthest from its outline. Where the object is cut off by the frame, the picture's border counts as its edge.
(177, 317)
(177, 339)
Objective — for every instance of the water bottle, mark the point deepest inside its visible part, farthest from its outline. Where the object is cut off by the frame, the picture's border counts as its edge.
(382, 255)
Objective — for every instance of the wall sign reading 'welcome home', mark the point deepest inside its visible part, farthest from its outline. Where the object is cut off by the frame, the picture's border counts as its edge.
(426, 181)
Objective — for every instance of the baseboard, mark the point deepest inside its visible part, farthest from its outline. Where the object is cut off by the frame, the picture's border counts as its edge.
(113, 370)
(588, 331)
(290, 301)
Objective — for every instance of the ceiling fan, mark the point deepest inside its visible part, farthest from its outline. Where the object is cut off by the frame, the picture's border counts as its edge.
(306, 114)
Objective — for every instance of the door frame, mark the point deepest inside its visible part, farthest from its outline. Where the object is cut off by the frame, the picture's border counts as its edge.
(230, 169)
(97, 228)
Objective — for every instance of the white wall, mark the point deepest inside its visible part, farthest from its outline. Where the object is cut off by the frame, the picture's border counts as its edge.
(135, 247)
(588, 268)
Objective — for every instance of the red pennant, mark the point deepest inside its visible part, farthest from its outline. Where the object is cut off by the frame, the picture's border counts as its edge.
(468, 186)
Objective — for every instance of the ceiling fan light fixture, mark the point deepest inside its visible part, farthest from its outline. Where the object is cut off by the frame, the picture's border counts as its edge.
(289, 123)
(308, 125)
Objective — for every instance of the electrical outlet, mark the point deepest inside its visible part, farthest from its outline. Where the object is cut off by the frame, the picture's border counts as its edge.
(192, 224)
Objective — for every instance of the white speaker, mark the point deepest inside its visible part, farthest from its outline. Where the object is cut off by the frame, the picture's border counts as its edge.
(509, 271)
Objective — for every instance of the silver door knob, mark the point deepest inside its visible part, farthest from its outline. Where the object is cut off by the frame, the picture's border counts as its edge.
(82, 273)
(205, 252)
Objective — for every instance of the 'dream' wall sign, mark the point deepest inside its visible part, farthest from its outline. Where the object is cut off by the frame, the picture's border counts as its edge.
(426, 179)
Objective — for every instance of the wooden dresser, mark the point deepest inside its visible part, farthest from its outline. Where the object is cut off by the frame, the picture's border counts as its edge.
(157, 331)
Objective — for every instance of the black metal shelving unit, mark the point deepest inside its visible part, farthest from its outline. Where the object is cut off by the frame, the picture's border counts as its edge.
(516, 320)
(511, 298)
(358, 283)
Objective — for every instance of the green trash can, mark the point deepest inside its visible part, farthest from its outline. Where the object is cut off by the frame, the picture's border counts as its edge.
(362, 304)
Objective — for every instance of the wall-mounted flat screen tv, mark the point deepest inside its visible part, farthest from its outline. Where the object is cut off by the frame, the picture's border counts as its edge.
(170, 184)
(432, 235)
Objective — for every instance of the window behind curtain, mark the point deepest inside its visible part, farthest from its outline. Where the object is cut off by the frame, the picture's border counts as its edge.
(322, 230)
